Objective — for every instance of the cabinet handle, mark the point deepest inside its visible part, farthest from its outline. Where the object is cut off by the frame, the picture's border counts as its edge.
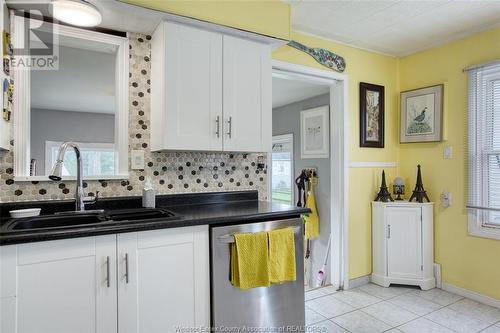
(217, 121)
(388, 231)
(126, 267)
(230, 123)
(108, 279)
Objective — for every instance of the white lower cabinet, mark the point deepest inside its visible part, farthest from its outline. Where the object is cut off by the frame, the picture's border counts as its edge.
(86, 285)
(166, 285)
(59, 286)
(403, 244)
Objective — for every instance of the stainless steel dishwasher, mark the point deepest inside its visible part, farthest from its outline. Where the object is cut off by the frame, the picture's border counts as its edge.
(269, 308)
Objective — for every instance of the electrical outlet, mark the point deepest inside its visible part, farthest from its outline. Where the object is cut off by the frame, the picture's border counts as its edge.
(137, 159)
(446, 199)
(448, 152)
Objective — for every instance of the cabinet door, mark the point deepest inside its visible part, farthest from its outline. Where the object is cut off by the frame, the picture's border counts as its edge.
(163, 280)
(404, 242)
(247, 95)
(60, 286)
(186, 88)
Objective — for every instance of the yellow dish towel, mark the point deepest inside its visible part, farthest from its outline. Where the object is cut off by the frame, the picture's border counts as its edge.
(250, 261)
(311, 219)
(282, 255)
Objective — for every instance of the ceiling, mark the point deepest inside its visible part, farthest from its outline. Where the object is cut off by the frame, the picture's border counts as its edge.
(287, 91)
(138, 19)
(394, 27)
(85, 82)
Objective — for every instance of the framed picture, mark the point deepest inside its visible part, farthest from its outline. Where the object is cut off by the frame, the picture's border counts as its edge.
(371, 117)
(422, 114)
(315, 132)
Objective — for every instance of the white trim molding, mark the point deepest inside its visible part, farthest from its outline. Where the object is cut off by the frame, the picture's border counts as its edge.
(339, 149)
(22, 97)
(359, 281)
(478, 297)
(476, 227)
(373, 164)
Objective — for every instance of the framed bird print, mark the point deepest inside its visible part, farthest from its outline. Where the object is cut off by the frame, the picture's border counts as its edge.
(422, 114)
(371, 117)
(315, 132)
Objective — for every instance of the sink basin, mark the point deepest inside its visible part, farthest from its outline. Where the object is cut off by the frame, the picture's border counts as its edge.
(54, 221)
(77, 219)
(139, 214)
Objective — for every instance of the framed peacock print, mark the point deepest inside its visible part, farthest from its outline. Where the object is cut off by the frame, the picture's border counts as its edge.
(422, 115)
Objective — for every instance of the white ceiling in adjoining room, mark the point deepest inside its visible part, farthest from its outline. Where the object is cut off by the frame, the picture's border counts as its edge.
(287, 91)
(84, 82)
(394, 27)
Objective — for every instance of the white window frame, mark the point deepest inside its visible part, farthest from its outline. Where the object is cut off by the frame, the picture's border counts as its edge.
(49, 145)
(285, 138)
(478, 180)
(22, 99)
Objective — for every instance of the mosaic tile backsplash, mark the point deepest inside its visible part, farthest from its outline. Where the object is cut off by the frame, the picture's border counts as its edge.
(170, 172)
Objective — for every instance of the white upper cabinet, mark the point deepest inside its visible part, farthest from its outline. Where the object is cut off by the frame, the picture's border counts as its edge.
(209, 91)
(247, 95)
(186, 89)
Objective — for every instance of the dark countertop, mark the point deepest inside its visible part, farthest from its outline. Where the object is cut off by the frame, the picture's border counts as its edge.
(194, 209)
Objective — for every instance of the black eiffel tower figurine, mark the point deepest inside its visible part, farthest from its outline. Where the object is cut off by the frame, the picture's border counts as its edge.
(419, 193)
(383, 195)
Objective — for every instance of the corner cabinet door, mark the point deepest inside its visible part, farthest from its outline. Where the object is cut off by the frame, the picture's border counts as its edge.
(247, 96)
(404, 242)
(186, 88)
(163, 280)
(59, 286)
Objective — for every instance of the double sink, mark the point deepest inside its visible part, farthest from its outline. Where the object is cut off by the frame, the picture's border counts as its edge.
(87, 219)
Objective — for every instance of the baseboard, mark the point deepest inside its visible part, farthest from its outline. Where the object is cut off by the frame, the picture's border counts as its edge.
(471, 294)
(358, 282)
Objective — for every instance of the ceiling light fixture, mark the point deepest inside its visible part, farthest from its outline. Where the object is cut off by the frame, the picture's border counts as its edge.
(76, 12)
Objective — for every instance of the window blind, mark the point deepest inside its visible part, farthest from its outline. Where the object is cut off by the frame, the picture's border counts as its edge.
(484, 143)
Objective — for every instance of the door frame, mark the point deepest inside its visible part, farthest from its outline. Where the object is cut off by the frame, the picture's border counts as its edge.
(339, 138)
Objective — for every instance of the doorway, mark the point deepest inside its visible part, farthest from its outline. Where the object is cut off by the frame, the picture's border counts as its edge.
(297, 89)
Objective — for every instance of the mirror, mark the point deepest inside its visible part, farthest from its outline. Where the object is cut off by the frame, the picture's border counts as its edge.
(75, 103)
(83, 99)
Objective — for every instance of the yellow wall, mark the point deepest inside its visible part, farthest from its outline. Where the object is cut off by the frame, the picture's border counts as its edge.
(362, 66)
(272, 17)
(268, 17)
(468, 262)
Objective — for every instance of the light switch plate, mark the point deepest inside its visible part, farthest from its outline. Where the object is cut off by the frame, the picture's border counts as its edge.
(448, 152)
(137, 159)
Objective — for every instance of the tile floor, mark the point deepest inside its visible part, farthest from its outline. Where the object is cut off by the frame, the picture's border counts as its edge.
(374, 309)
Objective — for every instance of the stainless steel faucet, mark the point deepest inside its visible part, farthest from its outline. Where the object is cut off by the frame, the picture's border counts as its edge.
(56, 173)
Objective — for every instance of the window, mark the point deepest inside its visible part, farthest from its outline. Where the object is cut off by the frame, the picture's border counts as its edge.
(484, 150)
(282, 169)
(97, 158)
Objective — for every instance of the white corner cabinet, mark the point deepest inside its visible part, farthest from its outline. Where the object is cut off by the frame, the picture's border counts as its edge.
(209, 91)
(403, 245)
(150, 281)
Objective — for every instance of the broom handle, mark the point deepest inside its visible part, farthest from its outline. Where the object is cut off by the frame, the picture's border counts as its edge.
(328, 249)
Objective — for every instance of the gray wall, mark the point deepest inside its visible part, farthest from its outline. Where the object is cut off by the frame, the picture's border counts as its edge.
(49, 125)
(286, 119)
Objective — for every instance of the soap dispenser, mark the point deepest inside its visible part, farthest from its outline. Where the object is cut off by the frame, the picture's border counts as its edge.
(148, 195)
